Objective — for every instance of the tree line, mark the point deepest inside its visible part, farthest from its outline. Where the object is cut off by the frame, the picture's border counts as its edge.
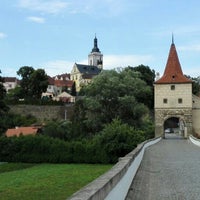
(111, 116)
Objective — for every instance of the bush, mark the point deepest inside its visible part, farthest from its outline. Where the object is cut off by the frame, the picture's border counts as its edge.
(114, 141)
(11, 120)
(61, 130)
(118, 139)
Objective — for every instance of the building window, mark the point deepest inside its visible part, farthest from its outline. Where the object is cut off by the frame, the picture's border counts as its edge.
(180, 100)
(172, 87)
(164, 100)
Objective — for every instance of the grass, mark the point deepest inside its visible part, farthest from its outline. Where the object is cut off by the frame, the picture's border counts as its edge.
(21, 181)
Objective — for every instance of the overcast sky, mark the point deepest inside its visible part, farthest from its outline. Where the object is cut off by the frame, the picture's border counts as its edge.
(54, 34)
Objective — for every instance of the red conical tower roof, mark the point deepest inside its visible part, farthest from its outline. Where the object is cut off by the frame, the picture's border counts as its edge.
(173, 72)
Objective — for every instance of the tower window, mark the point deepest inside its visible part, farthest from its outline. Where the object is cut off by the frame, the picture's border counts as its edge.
(172, 87)
(164, 100)
(180, 100)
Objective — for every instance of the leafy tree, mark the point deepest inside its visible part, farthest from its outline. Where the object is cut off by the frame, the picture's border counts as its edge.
(73, 90)
(113, 94)
(38, 83)
(14, 94)
(195, 85)
(11, 120)
(118, 139)
(33, 82)
(147, 75)
(3, 107)
(25, 72)
(58, 129)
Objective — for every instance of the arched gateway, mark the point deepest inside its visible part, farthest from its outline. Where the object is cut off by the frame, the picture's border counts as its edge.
(173, 98)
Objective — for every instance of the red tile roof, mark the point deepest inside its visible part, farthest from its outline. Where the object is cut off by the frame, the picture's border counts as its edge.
(50, 80)
(173, 72)
(10, 79)
(21, 130)
(63, 83)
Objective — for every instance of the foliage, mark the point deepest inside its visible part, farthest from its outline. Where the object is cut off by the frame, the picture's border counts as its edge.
(45, 181)
(147, 75)
(11, 120)
(113, 94)
(195, 85)
(118, 139)
(115, 140)
(25, 72)
(38, 83)
(14, 95)
(33, 82)
(73, 90)
(60, 129)
(3, 107)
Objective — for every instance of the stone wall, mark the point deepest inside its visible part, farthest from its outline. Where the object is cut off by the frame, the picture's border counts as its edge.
(196, 115)
(43, 113)
(180, 91)
(163, 114)
(115, 183)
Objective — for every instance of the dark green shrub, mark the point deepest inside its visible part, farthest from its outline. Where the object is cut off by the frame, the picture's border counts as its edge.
(118, 139)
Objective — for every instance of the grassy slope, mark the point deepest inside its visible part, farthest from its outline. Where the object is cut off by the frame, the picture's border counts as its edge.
(45, 181)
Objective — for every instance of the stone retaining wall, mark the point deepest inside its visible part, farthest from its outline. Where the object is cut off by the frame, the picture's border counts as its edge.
(102, 186)
(43, 113)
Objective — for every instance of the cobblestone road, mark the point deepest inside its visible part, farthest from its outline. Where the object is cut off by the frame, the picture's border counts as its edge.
(170, 170)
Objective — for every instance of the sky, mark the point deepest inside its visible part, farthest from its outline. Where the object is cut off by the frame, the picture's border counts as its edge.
(54, 34)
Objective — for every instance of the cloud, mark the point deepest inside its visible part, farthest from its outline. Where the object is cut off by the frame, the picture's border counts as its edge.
(53, 68)
(56, 67)
(2, 35)
(114, 61)
(45, 6)
(195, 47)
(39, 20)
(105, 8)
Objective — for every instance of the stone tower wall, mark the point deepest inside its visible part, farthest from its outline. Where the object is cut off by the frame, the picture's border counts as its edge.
(173, 108)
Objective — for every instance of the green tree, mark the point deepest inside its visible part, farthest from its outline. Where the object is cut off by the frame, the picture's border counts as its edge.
(3, 107)
(33, 82)
(58, 129)
(73, 90)
(147, 75)
(38, 83)
(195, 85)
(117, 139)
(25, 72)
(114, 94)
(14, 94)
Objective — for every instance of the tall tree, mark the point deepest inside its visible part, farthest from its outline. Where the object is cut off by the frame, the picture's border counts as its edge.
(33, 82)
(38, 83)
(25, 72)
(147, 75)
(114, 94)
(3, 106)
(73, 90)
(195, 85)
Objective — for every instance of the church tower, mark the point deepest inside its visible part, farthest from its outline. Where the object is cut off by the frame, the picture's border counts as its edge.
(95, 58)
(173, 98)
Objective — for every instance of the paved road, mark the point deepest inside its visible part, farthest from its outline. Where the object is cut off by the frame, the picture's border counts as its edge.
(170, 170)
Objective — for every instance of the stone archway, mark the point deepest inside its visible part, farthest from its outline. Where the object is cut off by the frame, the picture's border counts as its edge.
(184, 116)
(174, 127)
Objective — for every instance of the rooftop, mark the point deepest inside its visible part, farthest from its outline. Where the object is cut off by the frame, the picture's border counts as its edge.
(173, 72)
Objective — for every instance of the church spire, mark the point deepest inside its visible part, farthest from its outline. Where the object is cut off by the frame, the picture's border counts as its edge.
(173, 72)
(172, 38)
(95, 48)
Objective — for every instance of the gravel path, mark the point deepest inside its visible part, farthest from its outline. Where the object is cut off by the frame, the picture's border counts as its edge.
(170, 170)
